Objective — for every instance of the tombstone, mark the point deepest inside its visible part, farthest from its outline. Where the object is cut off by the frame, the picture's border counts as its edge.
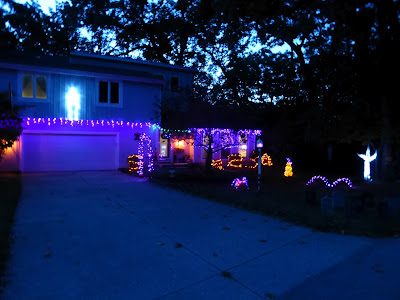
(338, 199)
(348, 207)
(327, 205)
(353, 205)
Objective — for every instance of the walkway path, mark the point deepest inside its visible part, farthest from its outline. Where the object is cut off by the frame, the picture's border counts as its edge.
(107, 235)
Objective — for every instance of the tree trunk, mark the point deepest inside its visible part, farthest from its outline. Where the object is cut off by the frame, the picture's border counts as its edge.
(386, 141)
(209, 155)
(387, 58)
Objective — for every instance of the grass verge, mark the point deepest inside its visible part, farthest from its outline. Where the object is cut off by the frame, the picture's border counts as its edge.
(10, 188)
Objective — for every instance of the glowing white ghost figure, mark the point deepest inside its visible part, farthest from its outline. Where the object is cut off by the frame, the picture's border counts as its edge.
(367, 160)
(73, 104)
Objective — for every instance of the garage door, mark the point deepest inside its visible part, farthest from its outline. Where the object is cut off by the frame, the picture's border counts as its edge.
(68, 152)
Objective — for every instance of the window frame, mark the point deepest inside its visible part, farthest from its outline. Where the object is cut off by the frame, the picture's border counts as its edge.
(240, 143)
(174, 87)
(203, 148)
(168, 144)
(109, 103)
(34, 97)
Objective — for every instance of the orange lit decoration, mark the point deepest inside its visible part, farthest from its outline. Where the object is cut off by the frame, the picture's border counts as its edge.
(266, 160)
(133, 162)
(10, 130)
(6, 143)
(217, 164)
(235, 160)
(288, 168)
(179, 144)
(255, 160)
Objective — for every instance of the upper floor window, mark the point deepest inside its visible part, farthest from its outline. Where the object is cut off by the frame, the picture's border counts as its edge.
(174, 84)
(34, 86)
(109, 92)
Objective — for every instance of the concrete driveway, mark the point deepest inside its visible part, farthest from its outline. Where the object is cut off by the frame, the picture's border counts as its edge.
(107, 235)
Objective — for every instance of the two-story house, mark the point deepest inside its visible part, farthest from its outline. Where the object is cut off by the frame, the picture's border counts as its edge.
(109, 102)
(90, 112)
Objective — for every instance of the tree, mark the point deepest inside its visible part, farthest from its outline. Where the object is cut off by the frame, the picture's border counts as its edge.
(212, 140)
(331, 83)
(10, 123)
(32, 30)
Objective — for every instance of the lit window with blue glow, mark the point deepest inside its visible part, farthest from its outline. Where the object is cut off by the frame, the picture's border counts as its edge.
(72, 104)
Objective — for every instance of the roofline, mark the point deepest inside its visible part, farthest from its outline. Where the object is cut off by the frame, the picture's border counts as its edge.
(31, 68)
(132, 60)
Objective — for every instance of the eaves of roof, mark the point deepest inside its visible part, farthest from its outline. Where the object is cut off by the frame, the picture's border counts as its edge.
(61, 65)
(127, 60)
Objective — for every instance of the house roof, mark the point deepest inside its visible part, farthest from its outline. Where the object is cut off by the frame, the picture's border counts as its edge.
(128, 60)
(93, 64)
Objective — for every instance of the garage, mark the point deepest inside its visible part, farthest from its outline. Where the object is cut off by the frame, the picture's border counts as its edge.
(43, 151)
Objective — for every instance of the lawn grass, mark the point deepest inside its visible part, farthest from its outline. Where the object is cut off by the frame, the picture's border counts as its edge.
(285, 198)
(10, 187)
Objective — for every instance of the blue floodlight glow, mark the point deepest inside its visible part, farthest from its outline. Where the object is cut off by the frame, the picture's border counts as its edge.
(73, 104)
(367, 161)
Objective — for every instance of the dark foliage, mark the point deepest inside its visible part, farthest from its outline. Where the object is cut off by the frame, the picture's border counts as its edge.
(331, 83)
(10, 123)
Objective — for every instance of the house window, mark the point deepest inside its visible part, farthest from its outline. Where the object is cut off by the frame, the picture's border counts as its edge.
(114, 92)
(174, 84)
(164, 146)
(27, 86)
(205, 144)
(109, 92)
(34, 86)
(41, 88)
(103, 92)
(243, 145)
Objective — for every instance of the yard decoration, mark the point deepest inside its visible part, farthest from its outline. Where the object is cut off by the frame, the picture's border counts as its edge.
(255, 160)
(133, 162)
(367, 161)
(266, 160)
(288, 168)
(217, 164)
(144, 138)
(10, 130)
(235, 160)
(237, 183)
(325, 180)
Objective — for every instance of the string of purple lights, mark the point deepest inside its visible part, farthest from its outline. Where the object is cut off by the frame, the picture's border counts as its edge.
(28, 122)
(325, 180)
(145, 140)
